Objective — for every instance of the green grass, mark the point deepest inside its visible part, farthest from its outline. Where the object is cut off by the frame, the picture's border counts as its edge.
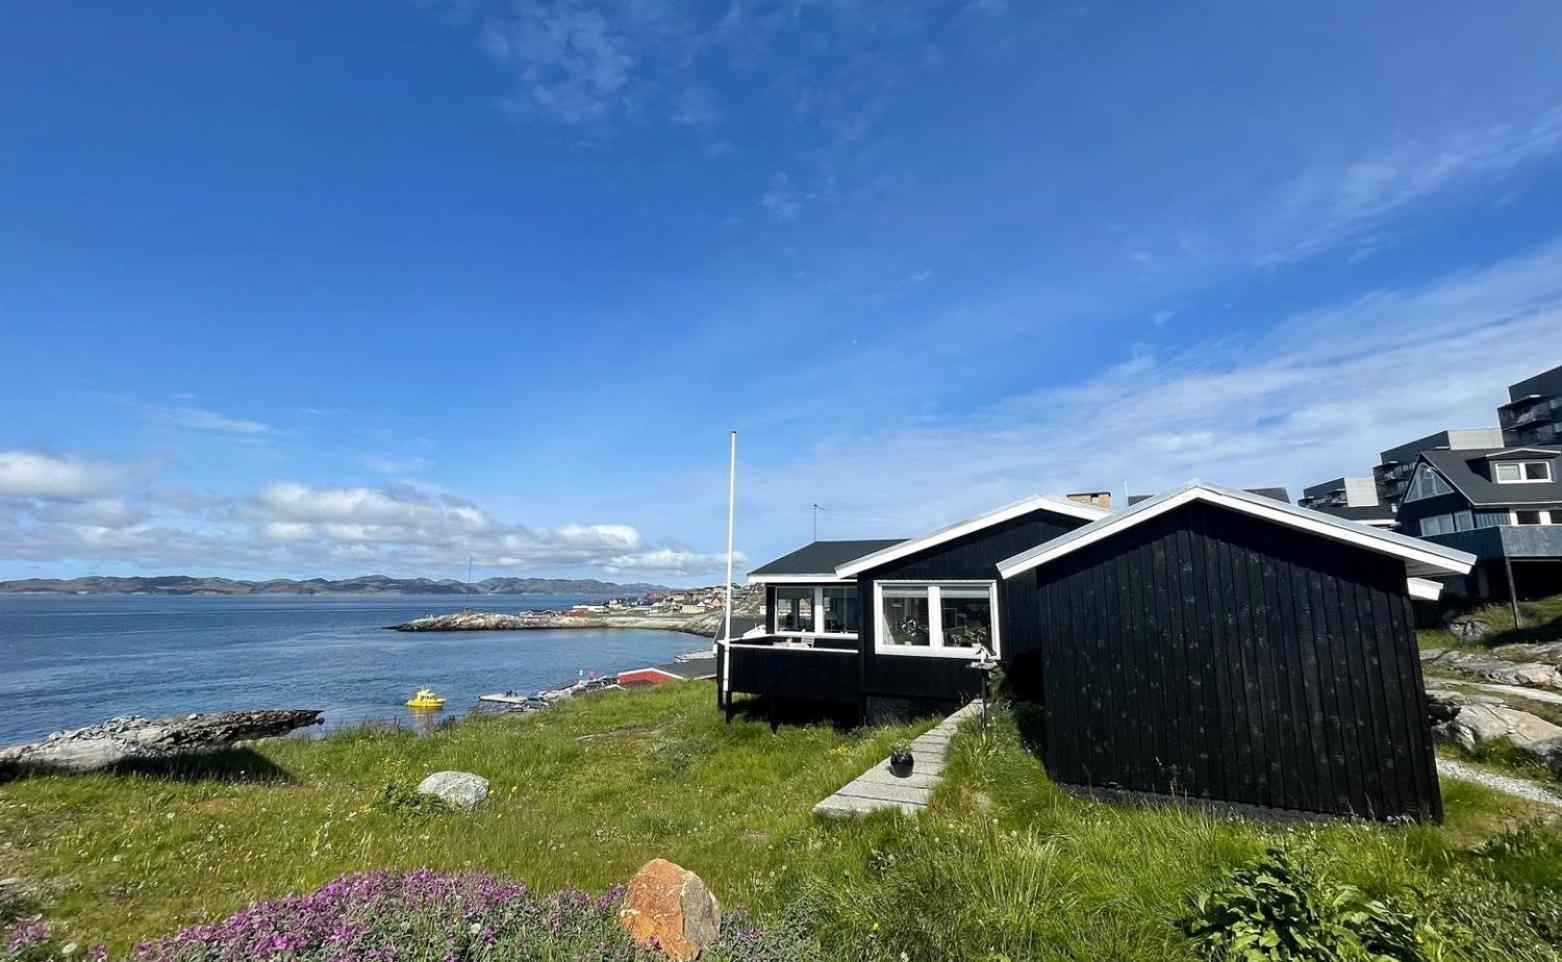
(1005, 864)
(1542, 622)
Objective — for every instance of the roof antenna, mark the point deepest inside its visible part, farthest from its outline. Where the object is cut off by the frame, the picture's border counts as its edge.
(817, 508)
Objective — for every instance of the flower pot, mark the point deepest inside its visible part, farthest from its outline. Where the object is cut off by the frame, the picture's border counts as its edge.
(900, 765)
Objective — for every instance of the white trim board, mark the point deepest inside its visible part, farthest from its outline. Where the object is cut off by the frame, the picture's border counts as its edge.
(1420, 557)
(960, 529)
(819, 579)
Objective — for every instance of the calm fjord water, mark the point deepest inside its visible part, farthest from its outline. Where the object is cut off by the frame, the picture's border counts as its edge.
(72, 661)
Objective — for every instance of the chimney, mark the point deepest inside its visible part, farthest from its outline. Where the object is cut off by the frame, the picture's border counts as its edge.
(1096, 499)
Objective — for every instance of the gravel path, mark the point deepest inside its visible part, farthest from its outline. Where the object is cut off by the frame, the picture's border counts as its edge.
(1517, 787)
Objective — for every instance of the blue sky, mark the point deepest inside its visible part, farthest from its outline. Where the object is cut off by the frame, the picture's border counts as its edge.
(291, 289)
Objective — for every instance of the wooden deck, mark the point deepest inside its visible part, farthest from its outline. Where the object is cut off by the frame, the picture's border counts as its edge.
(876, 789)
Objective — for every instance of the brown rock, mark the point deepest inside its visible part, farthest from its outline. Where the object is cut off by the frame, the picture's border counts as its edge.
(670, 904)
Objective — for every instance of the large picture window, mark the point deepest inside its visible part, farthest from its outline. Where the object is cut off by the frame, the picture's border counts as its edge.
(841, 612)
(795, 609)
(814, 610)
(954, 619)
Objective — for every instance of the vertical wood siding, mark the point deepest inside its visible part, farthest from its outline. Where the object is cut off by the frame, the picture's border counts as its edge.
(1211, 654)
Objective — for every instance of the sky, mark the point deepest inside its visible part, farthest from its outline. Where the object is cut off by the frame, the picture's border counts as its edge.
(296, 289)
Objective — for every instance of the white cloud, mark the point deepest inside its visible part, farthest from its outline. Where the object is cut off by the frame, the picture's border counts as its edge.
(695, 106)
(572, 64)
(97, 513)
(391, 464)
(1315, 396)
(782, 201)
(1331, 203)
(196, 419)
(38, 474)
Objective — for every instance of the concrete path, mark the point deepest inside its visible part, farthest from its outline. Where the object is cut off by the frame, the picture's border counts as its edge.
(876, 789)
(1506, 784)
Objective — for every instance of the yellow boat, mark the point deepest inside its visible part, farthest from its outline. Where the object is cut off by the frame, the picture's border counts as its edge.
(425, 698)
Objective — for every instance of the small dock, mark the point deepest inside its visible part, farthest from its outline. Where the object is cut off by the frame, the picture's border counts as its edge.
(877, 789)
(508, 699)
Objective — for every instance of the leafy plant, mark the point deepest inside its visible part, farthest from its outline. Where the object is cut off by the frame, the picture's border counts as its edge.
(399, 799)
(900, 750)
(1275, 910)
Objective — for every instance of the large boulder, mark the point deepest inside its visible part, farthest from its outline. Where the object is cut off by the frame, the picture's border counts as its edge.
(461, 789)
(1475, 725)
(669, 904)
(1443, 703)
(131, 738)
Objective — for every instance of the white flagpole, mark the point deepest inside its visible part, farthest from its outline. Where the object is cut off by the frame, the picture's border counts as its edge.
(732, 487)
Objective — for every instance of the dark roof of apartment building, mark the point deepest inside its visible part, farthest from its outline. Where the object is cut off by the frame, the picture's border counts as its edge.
(1465, 470)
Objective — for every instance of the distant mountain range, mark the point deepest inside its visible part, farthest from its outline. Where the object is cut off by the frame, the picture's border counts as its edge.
(368, 585)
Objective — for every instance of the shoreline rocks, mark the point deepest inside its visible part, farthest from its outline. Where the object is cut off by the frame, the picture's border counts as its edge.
(542, 621)
(132, 737)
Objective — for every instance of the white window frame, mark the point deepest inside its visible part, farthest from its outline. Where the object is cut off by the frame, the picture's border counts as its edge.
(818, 602)
(935, 629)
(1413, 487)
(1523, 467)
(1546, 517)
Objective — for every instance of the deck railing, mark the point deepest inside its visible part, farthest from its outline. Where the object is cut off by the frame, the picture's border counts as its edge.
(775, 668)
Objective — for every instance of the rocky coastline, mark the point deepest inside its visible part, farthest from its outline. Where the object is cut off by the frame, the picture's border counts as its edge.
(704, 624)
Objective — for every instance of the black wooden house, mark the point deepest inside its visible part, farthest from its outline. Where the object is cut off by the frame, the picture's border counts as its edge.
(1215, 644)
(891, 627)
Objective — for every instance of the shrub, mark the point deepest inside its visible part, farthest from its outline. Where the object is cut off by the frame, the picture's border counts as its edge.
(1274, 910)
(407, 802)
(424, 916)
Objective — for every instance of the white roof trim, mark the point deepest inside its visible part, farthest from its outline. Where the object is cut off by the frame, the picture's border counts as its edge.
(1009, 512)
(1421, 557)
(830, 578)
(1424, 589)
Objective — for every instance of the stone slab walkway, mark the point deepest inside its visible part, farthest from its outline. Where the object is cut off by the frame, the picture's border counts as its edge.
(876, 789)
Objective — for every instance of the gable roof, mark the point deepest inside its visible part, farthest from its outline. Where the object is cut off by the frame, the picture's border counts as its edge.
(1422, 558)
(960, 529)
(1458, 469)
(815, 562)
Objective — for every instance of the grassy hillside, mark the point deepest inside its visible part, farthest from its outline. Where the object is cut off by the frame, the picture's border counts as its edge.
(1005, 865)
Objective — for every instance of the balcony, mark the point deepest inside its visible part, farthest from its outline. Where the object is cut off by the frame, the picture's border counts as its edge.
(1506, 541)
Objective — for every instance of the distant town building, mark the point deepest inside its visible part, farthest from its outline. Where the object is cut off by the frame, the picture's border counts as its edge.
(1533, 414)
(1352, 498)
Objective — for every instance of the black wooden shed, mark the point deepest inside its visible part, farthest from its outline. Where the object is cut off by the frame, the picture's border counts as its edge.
(1215, 644)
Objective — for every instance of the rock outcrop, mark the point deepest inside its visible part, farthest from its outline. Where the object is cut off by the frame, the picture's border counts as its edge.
(669, 904)
(460, 789)
(1476, 719)
(1530, 674)
(132, 737)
